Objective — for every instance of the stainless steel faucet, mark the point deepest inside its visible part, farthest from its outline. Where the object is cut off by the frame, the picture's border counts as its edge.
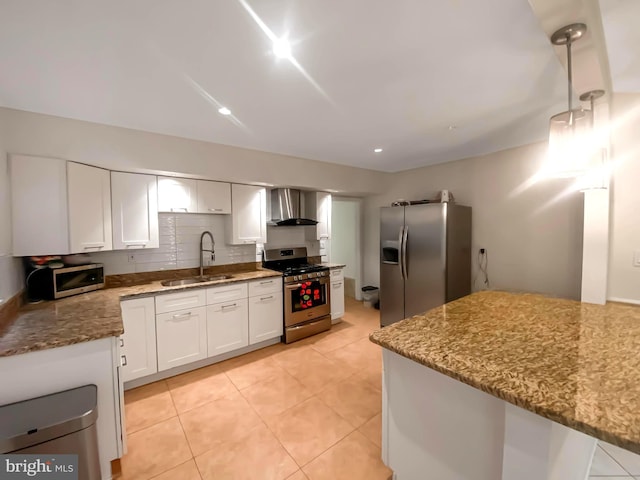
(202, 250)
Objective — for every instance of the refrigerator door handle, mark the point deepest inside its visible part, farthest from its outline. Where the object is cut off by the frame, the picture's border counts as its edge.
(400, 251)
(405, 239)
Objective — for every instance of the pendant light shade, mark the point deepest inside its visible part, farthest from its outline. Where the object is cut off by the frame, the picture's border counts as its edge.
(569, 131)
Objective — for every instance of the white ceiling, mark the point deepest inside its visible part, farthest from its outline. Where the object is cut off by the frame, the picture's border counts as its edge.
(393, 74)
(621, 22)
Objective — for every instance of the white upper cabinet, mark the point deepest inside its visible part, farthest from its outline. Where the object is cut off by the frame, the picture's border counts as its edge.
(248, 222)
(177, 195)
(213, 197)
(59, 207)
(134, 209)
(39, 206)
(319, 207)
(89, 194)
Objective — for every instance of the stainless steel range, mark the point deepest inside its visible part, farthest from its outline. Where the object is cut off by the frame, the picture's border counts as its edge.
(307, 305)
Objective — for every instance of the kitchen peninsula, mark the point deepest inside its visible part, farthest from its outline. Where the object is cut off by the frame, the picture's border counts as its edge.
(537, 365)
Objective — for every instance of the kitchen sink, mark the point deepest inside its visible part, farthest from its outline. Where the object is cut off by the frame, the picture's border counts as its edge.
(190, 281)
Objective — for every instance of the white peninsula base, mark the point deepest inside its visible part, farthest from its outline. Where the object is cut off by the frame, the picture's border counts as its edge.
(435, 427)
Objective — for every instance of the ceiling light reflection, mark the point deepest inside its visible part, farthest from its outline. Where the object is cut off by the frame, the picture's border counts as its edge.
(209, 98)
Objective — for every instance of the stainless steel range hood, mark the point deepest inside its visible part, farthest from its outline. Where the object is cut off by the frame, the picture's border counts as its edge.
(287, 208)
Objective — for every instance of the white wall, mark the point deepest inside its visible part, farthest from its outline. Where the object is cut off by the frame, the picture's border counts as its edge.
(624, 278)
(132, 150)
(10, 268)
(533, 235)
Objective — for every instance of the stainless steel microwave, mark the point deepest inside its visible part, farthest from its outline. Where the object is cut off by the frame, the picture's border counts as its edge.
(54, 283)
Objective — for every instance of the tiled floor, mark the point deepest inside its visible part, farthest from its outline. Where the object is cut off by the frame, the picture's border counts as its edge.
(309, 410)
(614, 463)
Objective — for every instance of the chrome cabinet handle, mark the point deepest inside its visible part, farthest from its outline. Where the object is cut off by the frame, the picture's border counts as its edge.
(135, 245)
(98, 247)
(121, 342)
(266, 298)
(179, 208)
(123, 360)
(179, 316)
(214, 209)
(229, 306)
(336, 285)
(266, 282)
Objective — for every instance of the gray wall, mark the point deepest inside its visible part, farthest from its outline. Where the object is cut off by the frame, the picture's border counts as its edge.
(531, 230)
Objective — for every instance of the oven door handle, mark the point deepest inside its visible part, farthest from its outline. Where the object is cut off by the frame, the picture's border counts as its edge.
(293, 287)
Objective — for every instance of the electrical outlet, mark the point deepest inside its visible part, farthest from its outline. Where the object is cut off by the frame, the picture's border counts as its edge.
(636, 258)
(131, 258)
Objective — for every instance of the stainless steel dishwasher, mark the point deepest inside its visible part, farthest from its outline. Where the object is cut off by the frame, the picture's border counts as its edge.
(60, 423)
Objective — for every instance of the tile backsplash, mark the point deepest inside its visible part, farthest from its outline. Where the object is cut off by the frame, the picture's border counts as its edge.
(179, 244)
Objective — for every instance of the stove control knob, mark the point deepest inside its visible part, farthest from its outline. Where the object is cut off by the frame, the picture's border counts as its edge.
(319, 274)
(296, 278)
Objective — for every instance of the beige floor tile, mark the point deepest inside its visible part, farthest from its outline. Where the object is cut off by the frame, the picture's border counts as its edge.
(260, 456)
(227, 419)
(308, 429)
(373, 374)
(316, 371)
(299, 475)
(186, 471)
(353, 458)
(147, 405)
(276, 394)
(193, 389)
(251, 373)
(353, 399)
(344, 336)
(155, 450)
(360, 356)
(373, 430)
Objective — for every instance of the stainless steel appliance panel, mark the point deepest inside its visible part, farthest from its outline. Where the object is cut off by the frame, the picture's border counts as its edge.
(391, 269)
(293, 315)
(458, 252)
(424, 255)
(303, 330)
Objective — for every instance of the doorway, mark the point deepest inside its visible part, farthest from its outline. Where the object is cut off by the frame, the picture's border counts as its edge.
(346, 245)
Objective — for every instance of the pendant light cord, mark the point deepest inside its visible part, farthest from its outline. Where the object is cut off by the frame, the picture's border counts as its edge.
(570, 83)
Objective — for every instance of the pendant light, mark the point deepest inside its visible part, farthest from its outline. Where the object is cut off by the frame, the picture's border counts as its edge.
(569, 143)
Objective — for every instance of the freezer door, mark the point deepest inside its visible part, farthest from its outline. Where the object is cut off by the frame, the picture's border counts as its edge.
(425, 257)
(391, 277)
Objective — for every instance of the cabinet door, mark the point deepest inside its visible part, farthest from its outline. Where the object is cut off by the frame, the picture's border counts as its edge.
(181, 337)
(39, 206)
(227, 326)
(89, 194)
(337, 299)
(134, 209)
(323, 229)
(248, 215)
(177, 195)
(214, 197)
(265, 317)
(138, 345)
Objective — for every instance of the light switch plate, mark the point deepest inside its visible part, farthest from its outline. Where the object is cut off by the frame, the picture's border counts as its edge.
(636, 258)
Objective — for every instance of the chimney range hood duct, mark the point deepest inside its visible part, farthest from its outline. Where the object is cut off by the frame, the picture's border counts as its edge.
(287, 208)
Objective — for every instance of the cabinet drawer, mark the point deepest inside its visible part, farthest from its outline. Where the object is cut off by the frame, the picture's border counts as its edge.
(337, 274)
(226, 293)
(267, 285)
(172, 302)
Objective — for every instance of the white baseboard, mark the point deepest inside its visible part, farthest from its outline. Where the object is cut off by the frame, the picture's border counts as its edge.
(623, 300)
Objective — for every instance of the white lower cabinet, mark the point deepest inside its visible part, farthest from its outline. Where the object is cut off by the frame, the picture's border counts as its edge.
(181, 337)
(265, 316)
(337, 295)
(138, 343)
(227, 326)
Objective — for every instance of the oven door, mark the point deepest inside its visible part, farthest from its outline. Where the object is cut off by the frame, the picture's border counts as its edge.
(306, 300)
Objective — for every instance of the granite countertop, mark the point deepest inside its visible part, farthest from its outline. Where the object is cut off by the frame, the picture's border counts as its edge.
(333, 265)
(88, 316)
(574, 363)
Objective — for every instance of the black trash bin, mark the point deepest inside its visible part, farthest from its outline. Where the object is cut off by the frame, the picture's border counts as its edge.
(370, 296)
(60, 423)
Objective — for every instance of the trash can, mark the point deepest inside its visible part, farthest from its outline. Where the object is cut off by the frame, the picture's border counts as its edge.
(369, 296)
(60, 423)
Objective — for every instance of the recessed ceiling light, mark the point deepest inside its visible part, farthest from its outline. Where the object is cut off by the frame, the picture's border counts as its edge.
(452, 127)
(281, 48)
(377, 150)
(224, 111)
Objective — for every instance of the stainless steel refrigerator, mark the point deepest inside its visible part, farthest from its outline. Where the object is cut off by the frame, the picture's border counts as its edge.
(425, 258)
